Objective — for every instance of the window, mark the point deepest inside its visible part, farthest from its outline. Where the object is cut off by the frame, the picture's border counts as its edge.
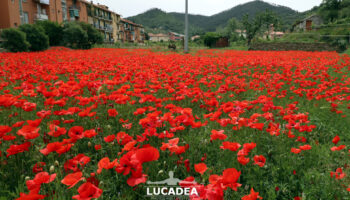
(64, 10)
(25, 18)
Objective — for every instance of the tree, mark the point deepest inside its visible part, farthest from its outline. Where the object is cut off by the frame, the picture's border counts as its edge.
(260, 23)
(75, 37)
(146, 36)
(14, 40)
(267, 19)
(251, 27)
(53, 30)
(330, 9)
(36, 37)
(230, 29)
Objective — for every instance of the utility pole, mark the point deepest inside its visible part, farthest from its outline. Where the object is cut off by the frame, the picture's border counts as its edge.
(186, 28)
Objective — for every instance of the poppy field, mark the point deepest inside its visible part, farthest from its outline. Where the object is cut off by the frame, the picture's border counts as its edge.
(100, 123)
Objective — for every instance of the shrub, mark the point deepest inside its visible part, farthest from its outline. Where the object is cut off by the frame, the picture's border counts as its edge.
(36, 37)
(53, 30)
(210, 39)
(94, 36)
(14, 40)
(75, 37)
(339, 37)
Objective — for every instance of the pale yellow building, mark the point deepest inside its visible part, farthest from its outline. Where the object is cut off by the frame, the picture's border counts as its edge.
(158, 37)
(116, 24)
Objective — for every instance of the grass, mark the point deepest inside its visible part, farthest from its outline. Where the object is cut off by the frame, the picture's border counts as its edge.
(347, 51)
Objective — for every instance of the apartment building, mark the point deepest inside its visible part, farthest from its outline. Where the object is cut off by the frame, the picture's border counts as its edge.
(131, 32)
(13, 13)
(100, 17)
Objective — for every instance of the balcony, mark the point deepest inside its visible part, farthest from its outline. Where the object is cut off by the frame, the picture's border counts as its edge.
(107, 28)
(74, 12)
(102, 17)
(40, 16)
(46, 2)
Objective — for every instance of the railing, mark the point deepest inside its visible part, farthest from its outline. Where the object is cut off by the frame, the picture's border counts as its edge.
(74, 7)
(40, 16)
(103, 17)
(103, 28)
(108, 28)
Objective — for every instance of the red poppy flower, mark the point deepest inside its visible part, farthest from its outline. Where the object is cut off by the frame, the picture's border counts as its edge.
(72, 179)
(259, 126)
(295, 150)
(252, 196)
(305, 147)
(90, 133)
(29, 132)
(56, 131)
(104, 163)
(4, 130)
(200, 168)
(38, 167)
(336, 139)
(232, 146)
(30, 196)
(88, 191)
(217, 135)
(76, 132)
(243, 160)
(147, 154)
(339, 148)
(123, 138)
(97, 147)
(40, 178)
(259, 160)
(15, 149)
(109, 138)
(230, 177)
(338, 174)
(112, 112)
(18, 124)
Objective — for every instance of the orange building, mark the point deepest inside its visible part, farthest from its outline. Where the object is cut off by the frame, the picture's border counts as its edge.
(13, 13)
(131, 32)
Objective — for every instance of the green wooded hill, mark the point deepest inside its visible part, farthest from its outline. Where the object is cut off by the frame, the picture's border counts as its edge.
(156, 20)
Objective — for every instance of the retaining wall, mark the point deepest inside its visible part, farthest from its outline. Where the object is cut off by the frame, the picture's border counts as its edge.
(288, 46)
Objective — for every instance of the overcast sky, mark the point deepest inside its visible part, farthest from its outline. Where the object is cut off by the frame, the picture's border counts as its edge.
(129, 8)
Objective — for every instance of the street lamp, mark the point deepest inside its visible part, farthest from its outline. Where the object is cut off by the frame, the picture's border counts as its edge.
(186, 28)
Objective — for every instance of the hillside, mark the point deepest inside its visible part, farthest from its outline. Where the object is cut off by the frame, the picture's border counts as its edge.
(158, 20)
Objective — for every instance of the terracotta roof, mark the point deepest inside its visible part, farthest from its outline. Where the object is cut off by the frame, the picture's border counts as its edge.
(130, 22)
(158, 35)
(103, 7)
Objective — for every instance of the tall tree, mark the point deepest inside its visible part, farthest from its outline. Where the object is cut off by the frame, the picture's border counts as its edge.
(251, 27)
(256, 25)
(230, 29)
(330, 9)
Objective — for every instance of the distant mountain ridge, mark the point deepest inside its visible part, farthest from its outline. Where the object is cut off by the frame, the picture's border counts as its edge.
(156, 20)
